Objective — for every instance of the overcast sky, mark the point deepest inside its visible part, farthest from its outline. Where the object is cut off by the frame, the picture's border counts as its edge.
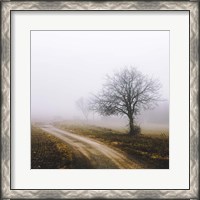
(67, 65)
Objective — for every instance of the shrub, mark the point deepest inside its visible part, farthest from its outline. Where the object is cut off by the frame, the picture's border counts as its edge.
(137, 130)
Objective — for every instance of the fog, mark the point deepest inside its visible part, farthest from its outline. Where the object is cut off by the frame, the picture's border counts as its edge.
(69, 65)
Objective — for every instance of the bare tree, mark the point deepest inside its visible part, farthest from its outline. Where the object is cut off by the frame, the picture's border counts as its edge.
(82, 104)
(126, 92)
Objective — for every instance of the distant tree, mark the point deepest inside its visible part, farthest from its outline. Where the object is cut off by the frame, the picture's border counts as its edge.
(127, 92)
(83, 106)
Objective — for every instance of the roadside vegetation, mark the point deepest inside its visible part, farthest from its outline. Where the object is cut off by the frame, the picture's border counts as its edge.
(151, 150)
(49, 152)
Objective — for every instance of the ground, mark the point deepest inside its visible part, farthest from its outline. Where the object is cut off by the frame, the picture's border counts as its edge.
(52, 148)
(49, 152)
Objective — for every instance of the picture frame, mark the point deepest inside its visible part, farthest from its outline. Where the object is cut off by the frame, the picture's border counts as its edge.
(7, 130)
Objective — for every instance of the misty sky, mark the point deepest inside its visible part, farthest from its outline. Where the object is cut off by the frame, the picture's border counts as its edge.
(67, 65)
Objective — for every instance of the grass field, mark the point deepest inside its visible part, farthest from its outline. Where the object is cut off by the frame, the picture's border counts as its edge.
(49, 152)
(151, 150)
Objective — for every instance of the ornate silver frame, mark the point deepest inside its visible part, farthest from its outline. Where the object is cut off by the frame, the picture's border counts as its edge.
(7, 7)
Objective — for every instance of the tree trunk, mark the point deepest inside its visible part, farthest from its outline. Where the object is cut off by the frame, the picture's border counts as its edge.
(131, 125)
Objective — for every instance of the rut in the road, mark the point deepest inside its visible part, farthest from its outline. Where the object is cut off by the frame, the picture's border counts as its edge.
(99, 155)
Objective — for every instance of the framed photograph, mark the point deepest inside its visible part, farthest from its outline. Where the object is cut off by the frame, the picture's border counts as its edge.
(100, 99)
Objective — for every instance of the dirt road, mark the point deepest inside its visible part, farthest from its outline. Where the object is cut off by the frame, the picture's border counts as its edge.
(99, 155)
